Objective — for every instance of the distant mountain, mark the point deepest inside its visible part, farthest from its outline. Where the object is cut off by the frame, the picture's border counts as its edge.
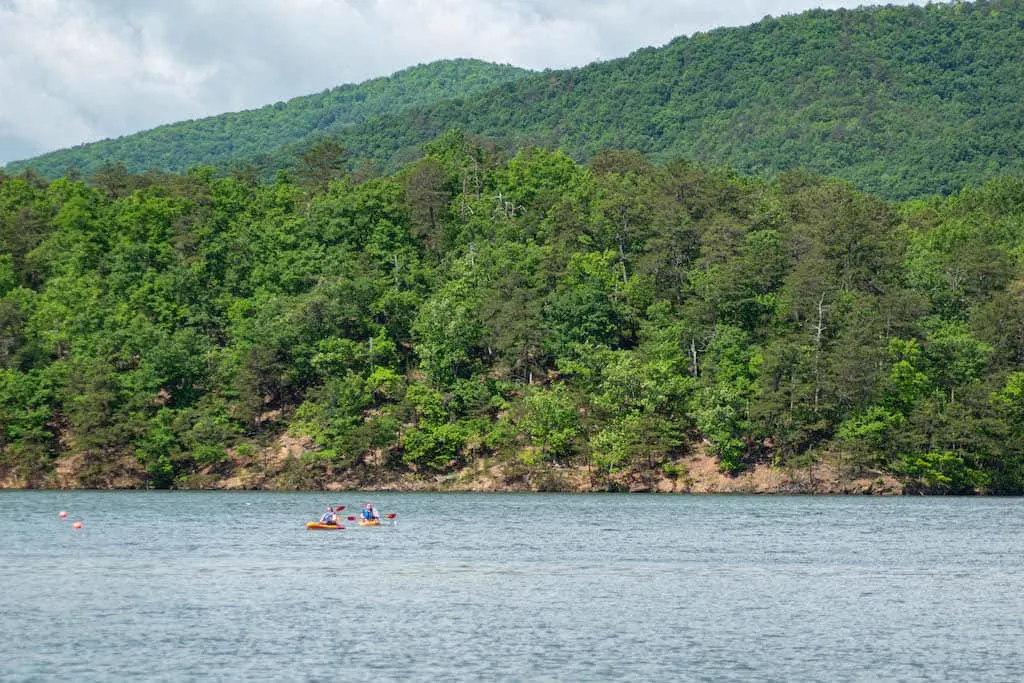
(224, 140)
(901, 101)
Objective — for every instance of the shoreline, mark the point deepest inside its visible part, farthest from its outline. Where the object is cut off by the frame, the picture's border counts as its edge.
(694, 474)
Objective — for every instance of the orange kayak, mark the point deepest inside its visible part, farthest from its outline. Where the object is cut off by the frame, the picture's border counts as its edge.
(369, 522)
(321, 525)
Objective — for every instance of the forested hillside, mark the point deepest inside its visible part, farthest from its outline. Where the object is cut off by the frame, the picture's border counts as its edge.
(901, 101)
(530, 312)
(229, 141)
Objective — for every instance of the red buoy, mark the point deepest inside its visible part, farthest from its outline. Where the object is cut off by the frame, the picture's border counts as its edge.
(76, 525)
(62, 514)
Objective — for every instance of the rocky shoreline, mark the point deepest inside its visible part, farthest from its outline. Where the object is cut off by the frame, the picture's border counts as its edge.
(281, 467)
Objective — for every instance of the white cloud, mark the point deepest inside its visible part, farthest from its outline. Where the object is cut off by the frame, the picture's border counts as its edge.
(74, 71)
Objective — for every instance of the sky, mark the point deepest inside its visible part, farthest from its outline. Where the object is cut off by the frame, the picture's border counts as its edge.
(74, 71)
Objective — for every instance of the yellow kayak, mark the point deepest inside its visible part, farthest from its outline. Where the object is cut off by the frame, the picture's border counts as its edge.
(321, 525)
(369, 522)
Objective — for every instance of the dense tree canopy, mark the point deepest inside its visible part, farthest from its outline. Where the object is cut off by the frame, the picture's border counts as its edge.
(528, 309)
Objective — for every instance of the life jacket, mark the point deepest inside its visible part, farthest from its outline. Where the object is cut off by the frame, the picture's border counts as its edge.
(367, 514)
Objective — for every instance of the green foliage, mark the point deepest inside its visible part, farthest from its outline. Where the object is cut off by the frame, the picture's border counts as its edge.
(448, 334)
(277, 133)
(333, 414)
(470, 306)
(901, 101)
(907, 382)
(944, 473)
(437, 447)
(722, 402)
(586, 307)
(8, 278)
(957, 358)
(27, 444)
(321, 164)
(551, 421)
(868, 434)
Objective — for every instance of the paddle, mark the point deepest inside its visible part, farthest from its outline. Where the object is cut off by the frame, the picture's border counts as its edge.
(390, 515)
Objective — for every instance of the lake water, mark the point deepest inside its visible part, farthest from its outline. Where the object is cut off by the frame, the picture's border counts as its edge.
(467, 587)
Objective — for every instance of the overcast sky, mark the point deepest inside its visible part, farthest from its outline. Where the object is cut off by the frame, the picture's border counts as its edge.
(74, 71)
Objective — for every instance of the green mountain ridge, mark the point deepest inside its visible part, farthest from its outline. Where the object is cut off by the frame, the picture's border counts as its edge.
(232, 138)
(901, 101)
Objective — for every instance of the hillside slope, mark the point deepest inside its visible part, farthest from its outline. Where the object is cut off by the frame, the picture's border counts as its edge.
(901, 101)
(229, 139)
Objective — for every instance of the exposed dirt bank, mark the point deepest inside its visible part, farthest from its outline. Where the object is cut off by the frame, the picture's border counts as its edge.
(282, 466)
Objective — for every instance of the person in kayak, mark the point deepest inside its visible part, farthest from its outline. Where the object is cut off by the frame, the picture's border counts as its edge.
(370, 513)
(328, 516)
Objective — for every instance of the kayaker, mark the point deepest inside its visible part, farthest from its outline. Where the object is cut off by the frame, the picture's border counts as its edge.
(370, 513)
(328, 516)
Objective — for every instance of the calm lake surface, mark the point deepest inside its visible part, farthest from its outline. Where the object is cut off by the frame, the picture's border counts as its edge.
(231, 586)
